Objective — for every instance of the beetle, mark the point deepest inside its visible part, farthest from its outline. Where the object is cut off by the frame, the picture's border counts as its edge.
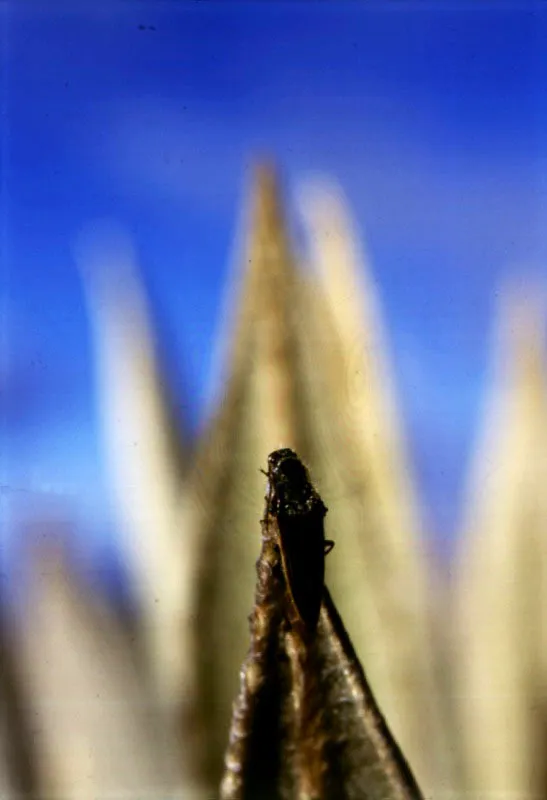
(299, 512)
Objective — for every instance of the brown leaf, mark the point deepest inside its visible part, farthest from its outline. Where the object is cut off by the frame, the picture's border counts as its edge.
(305, 723)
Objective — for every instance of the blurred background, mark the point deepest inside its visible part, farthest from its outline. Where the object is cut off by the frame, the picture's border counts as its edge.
(230, 227)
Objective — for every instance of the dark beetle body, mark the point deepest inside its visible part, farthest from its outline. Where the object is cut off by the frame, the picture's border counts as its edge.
(300, 513)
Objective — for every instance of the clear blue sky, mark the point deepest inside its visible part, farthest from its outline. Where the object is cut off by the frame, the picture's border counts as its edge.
(431, 115)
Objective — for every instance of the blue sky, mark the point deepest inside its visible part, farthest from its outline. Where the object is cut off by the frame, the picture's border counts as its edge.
(430, 115)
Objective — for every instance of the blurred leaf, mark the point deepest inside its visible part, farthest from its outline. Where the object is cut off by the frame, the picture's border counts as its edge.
(500, 650)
